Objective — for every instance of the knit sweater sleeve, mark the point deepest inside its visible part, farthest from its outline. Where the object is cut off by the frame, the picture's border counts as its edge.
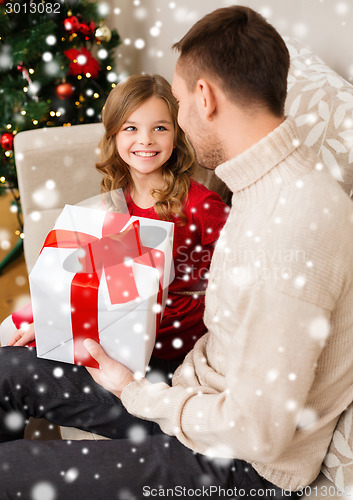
(263, 384)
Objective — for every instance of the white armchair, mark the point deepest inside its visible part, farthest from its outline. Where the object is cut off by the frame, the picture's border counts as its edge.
(54, 166)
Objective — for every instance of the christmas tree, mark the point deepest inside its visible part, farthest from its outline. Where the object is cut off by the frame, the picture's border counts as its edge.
(56, 69)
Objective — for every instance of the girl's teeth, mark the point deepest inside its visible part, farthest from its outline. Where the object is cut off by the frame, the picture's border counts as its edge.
(145, 154)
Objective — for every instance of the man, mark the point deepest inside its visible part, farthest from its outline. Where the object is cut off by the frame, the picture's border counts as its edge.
(253, 407)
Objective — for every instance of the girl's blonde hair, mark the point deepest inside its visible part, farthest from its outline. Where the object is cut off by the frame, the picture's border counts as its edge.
(123, 100)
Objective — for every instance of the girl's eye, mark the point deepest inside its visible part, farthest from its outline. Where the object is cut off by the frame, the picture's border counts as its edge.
(130, 128)
(160, 127)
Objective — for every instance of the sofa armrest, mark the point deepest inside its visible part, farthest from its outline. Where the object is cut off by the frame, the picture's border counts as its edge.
(55, 166)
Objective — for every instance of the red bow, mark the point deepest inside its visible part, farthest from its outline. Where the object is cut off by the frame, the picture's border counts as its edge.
(108, 253)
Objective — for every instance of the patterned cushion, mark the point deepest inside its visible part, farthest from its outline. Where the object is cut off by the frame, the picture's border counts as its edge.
(322, 103)
(338, 464)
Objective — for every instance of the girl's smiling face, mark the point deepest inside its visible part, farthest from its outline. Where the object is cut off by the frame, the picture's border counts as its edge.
(146, 140)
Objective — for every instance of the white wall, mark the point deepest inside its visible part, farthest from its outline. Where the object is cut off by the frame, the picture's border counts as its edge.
(326, 26)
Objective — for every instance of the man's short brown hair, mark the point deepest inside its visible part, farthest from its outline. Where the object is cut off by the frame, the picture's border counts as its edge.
(242, 52)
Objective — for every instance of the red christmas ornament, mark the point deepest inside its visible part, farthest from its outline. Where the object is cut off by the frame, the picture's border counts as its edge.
(82, 62)
(71, 24)
(64, 91)
(87, 29)
(6, 141)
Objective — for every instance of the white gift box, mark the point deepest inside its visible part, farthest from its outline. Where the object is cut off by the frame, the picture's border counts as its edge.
(127, 331)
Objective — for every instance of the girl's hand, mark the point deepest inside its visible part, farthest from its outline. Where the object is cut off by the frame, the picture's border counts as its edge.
(22, 336)
(112, 375)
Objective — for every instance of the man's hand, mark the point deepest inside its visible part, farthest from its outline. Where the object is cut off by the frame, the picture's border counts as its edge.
(113, 376)
(22, 336)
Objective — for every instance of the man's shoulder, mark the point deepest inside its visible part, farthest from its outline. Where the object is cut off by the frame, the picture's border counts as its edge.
(317, 196)
(310, 238)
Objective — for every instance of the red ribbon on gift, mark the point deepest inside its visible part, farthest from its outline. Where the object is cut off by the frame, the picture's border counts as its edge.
(109, 253)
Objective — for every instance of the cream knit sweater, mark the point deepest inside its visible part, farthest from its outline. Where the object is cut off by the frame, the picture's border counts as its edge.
(268, 381)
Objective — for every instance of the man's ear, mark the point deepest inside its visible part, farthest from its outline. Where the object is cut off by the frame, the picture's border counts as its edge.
(207, 98)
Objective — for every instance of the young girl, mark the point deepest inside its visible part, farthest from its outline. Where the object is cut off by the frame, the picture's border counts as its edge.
(145, 153)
